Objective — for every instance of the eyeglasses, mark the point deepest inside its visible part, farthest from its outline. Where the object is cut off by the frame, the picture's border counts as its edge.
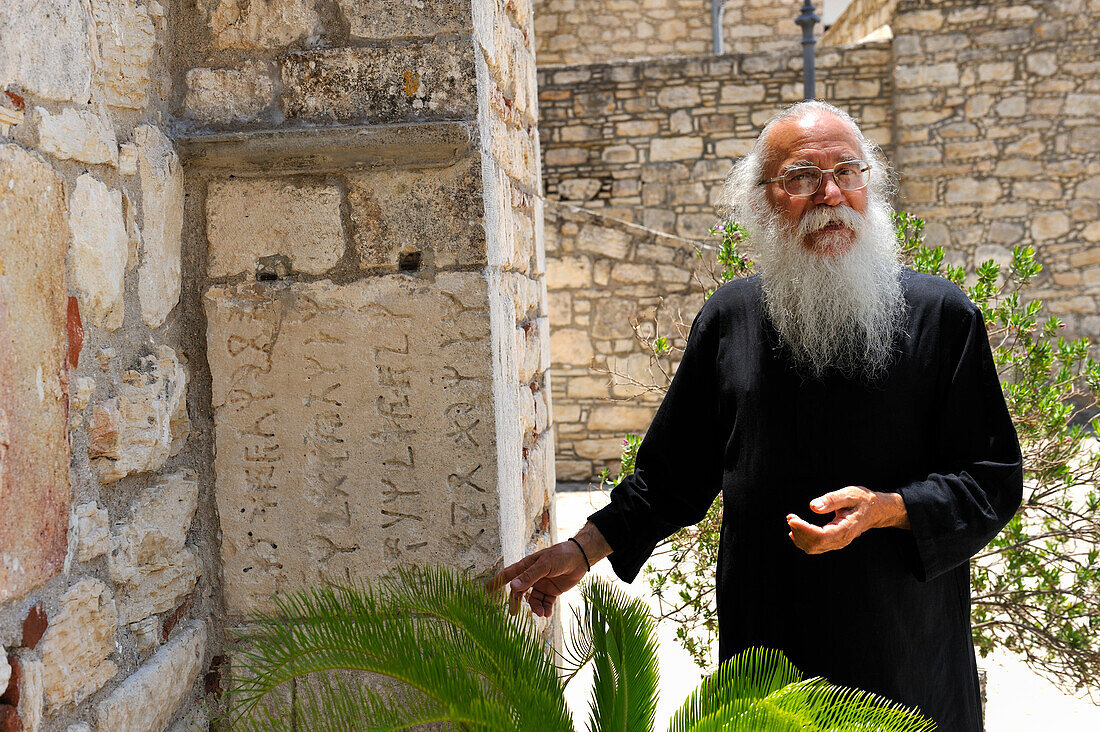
(850, 175)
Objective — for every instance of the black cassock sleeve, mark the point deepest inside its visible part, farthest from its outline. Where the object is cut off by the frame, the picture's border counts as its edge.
(954, 513)
(678, 471)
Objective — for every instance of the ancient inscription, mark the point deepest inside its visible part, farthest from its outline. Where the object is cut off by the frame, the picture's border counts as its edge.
(354, 429)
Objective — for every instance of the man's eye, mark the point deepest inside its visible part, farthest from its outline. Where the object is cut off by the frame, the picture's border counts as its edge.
(804, 176)
(848, 170)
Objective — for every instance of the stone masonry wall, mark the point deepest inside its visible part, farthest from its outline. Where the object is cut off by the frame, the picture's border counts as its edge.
(649, 144)
(997, 138)
(571, 32)
(860, 19)
(107, 571)
(368, 268)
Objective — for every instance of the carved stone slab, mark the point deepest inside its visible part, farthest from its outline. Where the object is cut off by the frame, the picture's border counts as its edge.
(354, 429)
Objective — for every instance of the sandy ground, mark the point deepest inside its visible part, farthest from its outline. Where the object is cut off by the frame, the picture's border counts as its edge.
(1019, 700)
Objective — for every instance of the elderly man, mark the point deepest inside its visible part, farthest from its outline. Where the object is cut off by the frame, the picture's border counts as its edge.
(839, 382)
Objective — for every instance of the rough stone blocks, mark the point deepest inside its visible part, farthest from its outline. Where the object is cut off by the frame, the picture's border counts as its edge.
(76, 646)
(45, 49)
(34, 444)
(354, 429)
(150, 697)
(397, 83)
(162, 224)
(99, 251)
(248, 219)
(435, 210)
(380, 19)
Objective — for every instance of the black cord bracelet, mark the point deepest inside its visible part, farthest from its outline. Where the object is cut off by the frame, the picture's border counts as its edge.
(583, 553)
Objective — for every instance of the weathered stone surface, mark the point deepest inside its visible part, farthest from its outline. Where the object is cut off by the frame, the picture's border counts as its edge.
(249, 218)
(382, 20)
(31, 694)
(340, 455)
(159, 521)
(44, 48)
(162, 223)
(5, 670)
(150, 697)
(675, 148)
(260, 23)
(93, 537)
(431, 210)
(229, 95)
(77, 135)
(393, 83)
(137, 430)
(76, 646)
(99, 249)
(34, 444)
(127, 41)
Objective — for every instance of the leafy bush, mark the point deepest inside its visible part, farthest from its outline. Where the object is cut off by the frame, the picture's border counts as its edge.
(1036, 587)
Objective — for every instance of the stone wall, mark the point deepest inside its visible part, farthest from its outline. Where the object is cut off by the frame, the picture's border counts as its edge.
(648, 144)
(859, 20)
(571, 32)
(107, 571)
(272, 310)
(369, 267)
(995, 110)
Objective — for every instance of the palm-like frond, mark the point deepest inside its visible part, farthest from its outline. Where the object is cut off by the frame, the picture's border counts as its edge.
(760, 690)
(622, 635)
(457, 654)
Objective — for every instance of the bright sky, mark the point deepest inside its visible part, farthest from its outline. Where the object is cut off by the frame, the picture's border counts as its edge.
(830, 10)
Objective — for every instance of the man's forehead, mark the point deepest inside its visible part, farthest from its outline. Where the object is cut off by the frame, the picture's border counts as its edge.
(814, 132)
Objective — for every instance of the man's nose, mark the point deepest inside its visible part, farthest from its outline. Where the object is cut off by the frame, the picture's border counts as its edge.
(828, 192)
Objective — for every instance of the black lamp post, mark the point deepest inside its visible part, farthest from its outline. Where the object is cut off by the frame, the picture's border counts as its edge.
(808, 20)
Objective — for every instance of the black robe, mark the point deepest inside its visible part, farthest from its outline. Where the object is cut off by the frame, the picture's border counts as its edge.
(889, 613)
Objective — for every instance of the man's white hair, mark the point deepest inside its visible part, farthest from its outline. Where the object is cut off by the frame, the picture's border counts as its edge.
(837, 312)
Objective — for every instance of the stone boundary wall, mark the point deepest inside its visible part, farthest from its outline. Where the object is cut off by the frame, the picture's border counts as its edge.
(108, 577)
(570, 32)
(859, 19)
(649, 143)
(997, 138)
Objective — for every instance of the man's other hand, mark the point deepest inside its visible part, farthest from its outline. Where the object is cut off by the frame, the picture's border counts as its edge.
(547, 574)
(857, 510)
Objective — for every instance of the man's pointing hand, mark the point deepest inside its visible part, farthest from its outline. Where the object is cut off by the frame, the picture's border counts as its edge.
(550, 572)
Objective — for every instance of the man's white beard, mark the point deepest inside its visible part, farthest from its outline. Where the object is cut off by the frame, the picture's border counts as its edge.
(836, 311)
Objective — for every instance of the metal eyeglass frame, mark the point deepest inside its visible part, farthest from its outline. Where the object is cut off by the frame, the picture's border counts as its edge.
(866, 167)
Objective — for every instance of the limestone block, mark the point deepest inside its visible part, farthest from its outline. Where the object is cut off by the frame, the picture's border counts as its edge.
(579, 189)
(675, 97)
(392, 83)
(155, 587)
(741, 93)
(570, 346)
(249, 218)
(93, 536)
(603, 241)
(675, 148)
(45, 49)
(380, 19)
(97, 255)
(1049, 225)
(30, 694)
(150, 697)
(438, 210)
(515, 151)
(77, 643)
(260, 23)
(77, 135)
(5, 670)
(340, 455)
(229, 95)
(127, 158)
(162, 223)
(931, 75)
(127, 41)
(34, 441)
(568, 272)
(160, 520)
(137, 430)
(147, 632)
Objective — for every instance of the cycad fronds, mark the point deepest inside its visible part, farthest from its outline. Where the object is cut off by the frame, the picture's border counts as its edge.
(621, 633)
(760, 690)
(457, 654)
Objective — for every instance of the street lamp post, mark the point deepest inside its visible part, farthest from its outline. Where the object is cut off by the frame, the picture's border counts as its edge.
(808, 20)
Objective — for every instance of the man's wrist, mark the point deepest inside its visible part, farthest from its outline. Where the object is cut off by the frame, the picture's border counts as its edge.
(891, 510)
(593, 543)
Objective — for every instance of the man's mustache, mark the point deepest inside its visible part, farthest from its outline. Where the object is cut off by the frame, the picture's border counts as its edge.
(821, 216)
